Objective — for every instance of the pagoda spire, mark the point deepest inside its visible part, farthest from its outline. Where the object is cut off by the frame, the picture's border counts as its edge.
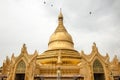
(60, 23)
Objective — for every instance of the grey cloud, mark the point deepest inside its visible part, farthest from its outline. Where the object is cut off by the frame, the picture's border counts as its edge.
(32, 22)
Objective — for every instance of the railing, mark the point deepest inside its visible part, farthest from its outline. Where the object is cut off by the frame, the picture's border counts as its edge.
(62, 67)
(56, 76)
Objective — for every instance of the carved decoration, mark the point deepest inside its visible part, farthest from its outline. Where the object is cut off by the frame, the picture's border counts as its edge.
(97, 67)
(24, 49)
(21, 67)
(94, 48)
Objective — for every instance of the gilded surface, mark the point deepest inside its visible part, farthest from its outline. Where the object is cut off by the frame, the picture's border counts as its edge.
(61, 61)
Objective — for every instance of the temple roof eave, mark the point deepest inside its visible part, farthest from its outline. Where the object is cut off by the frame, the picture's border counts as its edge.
(94, 54)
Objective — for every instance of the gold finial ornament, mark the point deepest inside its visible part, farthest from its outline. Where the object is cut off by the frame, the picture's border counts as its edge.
(94, 48)
(60, 39)
(60, 15)
(24, 49)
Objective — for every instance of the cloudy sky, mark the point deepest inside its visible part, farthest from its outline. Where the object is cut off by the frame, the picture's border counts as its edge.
(32, 22)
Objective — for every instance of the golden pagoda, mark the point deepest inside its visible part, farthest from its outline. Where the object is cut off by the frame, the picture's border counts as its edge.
(60, 62)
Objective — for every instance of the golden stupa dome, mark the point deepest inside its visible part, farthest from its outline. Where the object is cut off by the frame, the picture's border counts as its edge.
(60, 48)
(60, 39)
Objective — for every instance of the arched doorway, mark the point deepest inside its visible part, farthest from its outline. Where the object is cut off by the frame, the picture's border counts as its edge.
(20, 71)
(98, 70)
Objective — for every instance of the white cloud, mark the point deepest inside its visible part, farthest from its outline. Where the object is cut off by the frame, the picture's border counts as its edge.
(32, 22)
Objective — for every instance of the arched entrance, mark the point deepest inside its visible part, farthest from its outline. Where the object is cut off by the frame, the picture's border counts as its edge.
(98, 70)
(20, 71)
